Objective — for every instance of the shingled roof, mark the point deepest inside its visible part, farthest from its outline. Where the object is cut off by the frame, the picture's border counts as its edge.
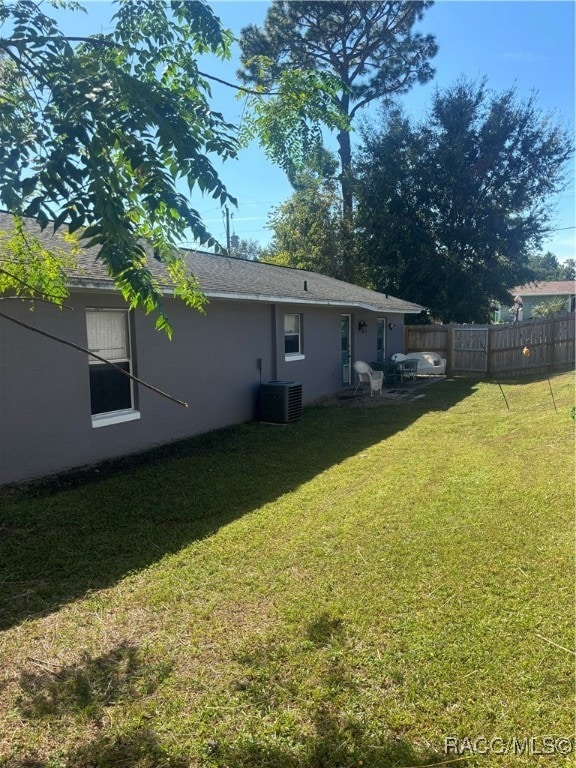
(231, 278)
(549, 288)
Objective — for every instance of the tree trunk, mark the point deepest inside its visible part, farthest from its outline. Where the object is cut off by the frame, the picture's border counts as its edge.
(347, 245)
(345, 152)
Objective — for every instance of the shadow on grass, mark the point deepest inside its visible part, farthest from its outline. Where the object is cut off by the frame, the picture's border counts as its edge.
(323, 750)
(329, 731)
(84, 689)
(84, 531)
(139, 747)
(336, 732)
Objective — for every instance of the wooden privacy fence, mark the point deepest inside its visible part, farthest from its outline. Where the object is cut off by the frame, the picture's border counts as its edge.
(533, 346)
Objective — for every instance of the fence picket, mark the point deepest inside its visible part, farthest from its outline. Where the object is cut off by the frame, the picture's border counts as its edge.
(532, 346)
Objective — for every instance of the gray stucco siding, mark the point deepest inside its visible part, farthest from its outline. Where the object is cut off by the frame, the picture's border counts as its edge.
(211, 363)
(45, 419)
(319, 371)
(365, 347)
(215, 362)
(44, 392)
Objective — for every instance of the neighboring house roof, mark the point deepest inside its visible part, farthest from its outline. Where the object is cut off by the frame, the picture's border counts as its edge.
(543, 288)
(232, 278)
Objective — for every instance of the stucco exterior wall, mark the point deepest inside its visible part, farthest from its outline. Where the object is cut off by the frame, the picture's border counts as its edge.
(215, 363)
(320, 370)
(45, 419)
(365, 343)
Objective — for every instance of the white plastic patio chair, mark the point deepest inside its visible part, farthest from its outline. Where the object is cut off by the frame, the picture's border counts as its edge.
(367, 376)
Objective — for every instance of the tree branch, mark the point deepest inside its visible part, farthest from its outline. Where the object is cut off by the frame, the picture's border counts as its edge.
(238, 87)
(6, 44)
(92, 354)
(30, 287)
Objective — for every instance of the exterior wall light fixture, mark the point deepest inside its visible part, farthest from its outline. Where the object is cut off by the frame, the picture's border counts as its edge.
(363, 326)
(391, 325)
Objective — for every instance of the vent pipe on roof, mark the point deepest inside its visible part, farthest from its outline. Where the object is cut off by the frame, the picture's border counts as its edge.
(305, 285)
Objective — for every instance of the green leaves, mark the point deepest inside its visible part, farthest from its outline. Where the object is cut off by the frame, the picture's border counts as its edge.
(450, 210)
(289, 123)
(344, 55)
(98, 135)
(551, 307)
(308, 230)
(29, 270)
(547, 267)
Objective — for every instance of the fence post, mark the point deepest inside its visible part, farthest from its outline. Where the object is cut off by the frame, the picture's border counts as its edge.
(551, 343)
(489, 363)
(449, 347)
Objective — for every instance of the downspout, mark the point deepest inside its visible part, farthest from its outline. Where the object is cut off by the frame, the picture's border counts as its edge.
(274, 326)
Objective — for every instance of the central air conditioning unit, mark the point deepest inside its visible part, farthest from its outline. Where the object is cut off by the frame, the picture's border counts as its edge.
(280, 401)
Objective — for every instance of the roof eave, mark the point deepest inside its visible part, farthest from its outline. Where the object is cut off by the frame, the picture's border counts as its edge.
(109, 287)
(273, 299)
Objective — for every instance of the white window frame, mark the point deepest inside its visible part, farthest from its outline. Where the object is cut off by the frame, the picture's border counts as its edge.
(299, 355)
(122, 414)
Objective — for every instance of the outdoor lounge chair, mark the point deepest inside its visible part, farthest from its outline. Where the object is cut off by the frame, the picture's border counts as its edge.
(429, 363)
(367, 376)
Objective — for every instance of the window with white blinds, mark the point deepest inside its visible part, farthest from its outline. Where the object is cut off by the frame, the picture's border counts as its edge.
(292, 335)
(108, 334)
(111, 391)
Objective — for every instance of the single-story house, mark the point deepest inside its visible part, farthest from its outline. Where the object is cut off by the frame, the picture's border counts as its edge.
(531, 295)
(61, 409)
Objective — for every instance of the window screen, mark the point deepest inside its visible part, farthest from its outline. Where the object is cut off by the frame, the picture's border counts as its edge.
(108, 336)
(292, 344)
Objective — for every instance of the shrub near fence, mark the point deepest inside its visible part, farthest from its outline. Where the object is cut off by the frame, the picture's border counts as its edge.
(534, 346)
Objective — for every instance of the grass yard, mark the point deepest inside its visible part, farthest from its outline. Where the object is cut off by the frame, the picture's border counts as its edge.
(350, 590)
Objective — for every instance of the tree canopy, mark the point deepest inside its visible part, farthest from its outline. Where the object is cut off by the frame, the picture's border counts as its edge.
(248, 249)
(368, 50)
(545, 266)
(450, 210)
(307, 230)
(96, 134)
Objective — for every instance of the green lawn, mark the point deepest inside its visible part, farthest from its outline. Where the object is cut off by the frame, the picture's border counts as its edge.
(349, 590)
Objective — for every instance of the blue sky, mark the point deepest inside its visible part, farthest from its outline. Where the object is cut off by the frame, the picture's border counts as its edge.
(528, 44)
